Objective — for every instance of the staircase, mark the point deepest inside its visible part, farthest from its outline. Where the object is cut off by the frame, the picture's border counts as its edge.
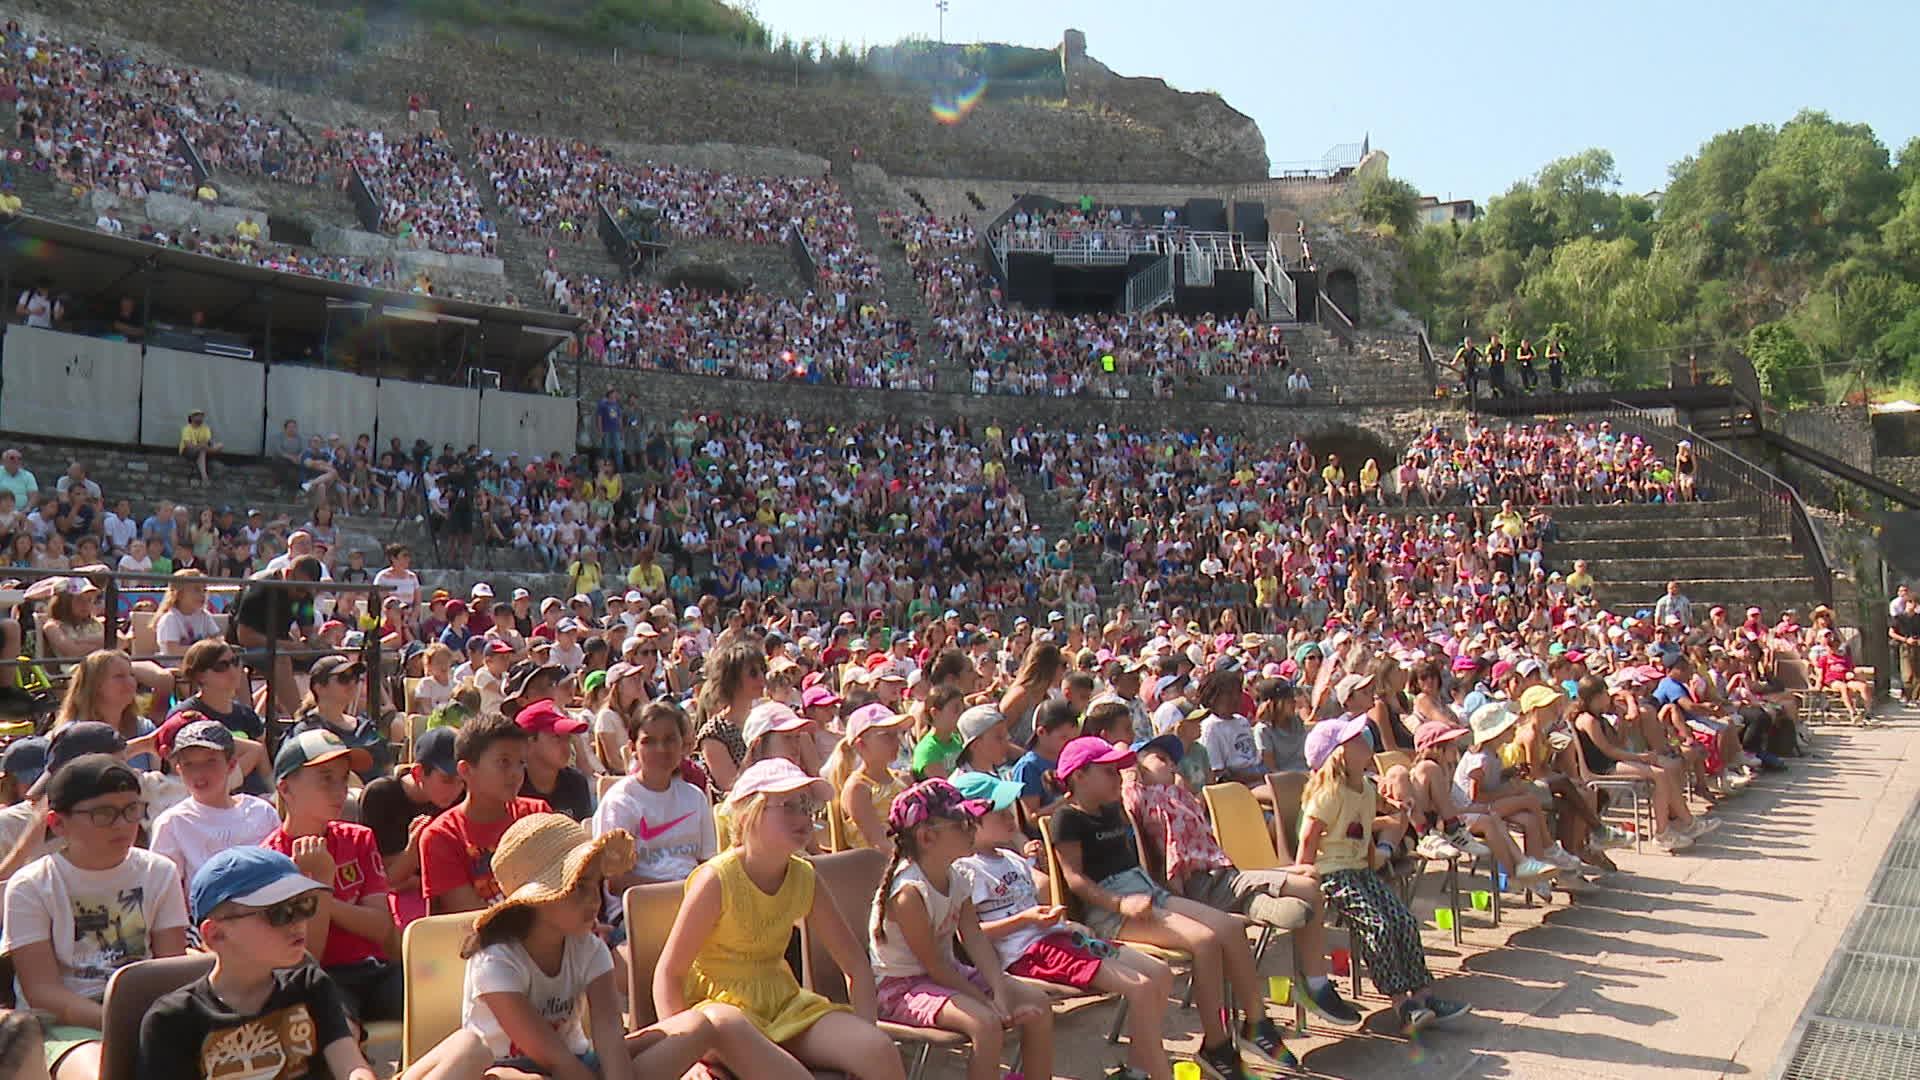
(1370, 374)
(1717, 550)
(522, 256)
(867, 191)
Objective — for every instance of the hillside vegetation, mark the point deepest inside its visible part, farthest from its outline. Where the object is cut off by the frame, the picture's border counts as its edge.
(1798, 244)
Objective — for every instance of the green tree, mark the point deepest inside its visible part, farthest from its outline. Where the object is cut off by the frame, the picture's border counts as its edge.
(1786, 367)
(1388, 202)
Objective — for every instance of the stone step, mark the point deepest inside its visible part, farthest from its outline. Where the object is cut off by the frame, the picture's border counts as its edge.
(1682, 529)
(1771, 594)
(1683, 564)
(1654, 547)
(1654, 512)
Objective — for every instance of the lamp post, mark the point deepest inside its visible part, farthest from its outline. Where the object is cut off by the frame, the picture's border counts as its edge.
(941, 7)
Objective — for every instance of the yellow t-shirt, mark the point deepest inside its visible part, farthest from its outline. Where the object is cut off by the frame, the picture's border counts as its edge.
(1348, 817)
(195, 436)
(1266, 590)
(647, 577)
(586, 576)
(1510, 523)
(1579, 580)
(1335, 475)
(609, 488)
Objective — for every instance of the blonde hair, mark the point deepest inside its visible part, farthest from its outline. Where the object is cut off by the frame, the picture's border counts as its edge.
(745, 816)
(841, 764)
(182, 579)
(88, 674)
(1331, 774)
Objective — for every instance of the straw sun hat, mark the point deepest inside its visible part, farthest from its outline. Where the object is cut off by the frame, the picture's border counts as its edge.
(542, 857)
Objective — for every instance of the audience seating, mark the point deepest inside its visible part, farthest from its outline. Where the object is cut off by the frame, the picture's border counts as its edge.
(130, 993)
(434, 975)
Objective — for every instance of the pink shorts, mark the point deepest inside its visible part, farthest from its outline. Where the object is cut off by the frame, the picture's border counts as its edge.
(1057, 958)
(915, 1000)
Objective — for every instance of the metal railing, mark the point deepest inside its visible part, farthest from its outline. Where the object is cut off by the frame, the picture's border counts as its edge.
(1333, 320)
(1151, 286)
(1281, 282)
(1200, 264)
(1728, 475)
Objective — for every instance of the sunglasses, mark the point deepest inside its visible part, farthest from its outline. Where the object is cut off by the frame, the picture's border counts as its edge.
(286, 912)
(105, 817)
(800, 807)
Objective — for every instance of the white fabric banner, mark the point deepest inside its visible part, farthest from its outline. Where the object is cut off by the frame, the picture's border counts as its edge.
(527, 424)
(323, 402)
(438, 414)
(70, 386)
(232, 391)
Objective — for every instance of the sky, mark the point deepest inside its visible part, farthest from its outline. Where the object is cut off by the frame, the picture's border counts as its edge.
(1467, 98)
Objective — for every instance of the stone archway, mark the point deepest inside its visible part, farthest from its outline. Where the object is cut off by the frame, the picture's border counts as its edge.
(1343, 288)
(1355, 445)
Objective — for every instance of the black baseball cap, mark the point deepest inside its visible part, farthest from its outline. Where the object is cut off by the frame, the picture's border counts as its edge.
(434, 749)
(77, 740)
(89, 776)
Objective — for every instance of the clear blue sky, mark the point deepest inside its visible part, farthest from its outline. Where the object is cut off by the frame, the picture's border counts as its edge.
(1467, 97)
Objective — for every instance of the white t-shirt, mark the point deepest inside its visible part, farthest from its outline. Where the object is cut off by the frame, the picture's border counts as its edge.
(430, 693)
(609, 722)
(17, 819)
(1229, 743)
(98, 921)
(893, 958)
(559, 999)
(192, 832)
(176, 630)
(404, 583)
(1168, 715)
(1003, 888)
(672, 829)
(1487, 764)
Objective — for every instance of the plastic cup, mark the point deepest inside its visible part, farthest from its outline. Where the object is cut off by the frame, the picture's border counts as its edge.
(1443, 918)
(1482, 900)
(1279, 989)
(1342, 961)
(1186, 1070)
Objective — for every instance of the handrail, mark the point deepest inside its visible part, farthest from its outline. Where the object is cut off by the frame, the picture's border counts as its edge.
(1151, 286)
(1199, 264)
(1780, 506)
(1333, 320)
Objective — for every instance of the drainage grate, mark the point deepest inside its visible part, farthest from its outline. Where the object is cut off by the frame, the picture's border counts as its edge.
(1888, 931)
(1833, 1051)
(1876, 990)
(1904, 855)
(1899, 888)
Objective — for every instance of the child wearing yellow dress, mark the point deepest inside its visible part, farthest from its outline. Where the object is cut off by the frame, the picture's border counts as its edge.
(725, 955)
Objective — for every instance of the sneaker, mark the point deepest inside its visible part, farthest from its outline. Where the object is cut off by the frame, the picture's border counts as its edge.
(1561, 857)
(1738, 781)
(1543, 890)
(1751, 761)
(1673, 840)
(1574, 883)
(1531, 870)
(1263, 1047)
(1607, 837)
(1701, 826)
(1597, 862)
(1327, 1004)
(1469, 844)
(1446, 1012)
(1222, 1062)
(1415, 1016)
(1435, 846)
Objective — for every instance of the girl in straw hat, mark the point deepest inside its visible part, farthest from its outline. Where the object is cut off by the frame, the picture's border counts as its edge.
(539, 988)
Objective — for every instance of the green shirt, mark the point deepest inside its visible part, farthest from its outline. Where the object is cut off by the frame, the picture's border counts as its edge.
(933, 750)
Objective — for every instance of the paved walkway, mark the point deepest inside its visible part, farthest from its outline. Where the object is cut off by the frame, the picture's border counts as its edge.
(1682, 966)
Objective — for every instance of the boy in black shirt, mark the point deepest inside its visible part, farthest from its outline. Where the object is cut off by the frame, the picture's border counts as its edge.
(549, 747)
(396, 808)
(262, 1001)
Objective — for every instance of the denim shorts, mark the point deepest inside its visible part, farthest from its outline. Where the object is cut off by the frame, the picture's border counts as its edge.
(527, 1065)
(1132, 881)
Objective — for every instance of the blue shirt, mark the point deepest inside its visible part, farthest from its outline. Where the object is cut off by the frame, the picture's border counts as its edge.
(1031, 770)
(1670, 692)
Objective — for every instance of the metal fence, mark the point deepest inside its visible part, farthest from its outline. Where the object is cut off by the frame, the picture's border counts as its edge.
(1151, 286)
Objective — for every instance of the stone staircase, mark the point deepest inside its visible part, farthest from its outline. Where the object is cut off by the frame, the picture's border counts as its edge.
(522, 256)
(1374, 372)
(869, 191)
(1716, 550)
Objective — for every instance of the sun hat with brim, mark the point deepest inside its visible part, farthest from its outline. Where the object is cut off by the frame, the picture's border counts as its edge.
(873, 717)
(1540, 697)
(316, 746)
(1169, 744)
(254, 877)
(770, 717)
(1091, 750)
(1328, 736)
(817, 696)
(1349, 685)
(1492, 720)
(1434, 733)
(776, 776)
(543, 857)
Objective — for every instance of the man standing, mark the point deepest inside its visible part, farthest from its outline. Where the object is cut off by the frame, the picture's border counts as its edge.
(612, 421)
(1903, 632)
(1673, 605)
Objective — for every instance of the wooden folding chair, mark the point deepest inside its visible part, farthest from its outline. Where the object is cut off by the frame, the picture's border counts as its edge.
(850, 879)
(433, 975)
(130, 993)
(1237, 817)
(1285, 791)
(1058, 896)
(836, 827)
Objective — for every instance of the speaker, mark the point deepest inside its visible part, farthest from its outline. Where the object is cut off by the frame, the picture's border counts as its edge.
(1250, 221)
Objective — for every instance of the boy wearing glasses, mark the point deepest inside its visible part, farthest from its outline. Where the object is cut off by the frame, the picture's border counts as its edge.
(256, 913)
(75, 917)
(352, 935)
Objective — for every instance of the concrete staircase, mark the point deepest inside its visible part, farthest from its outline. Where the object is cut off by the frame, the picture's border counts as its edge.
(869, 191)
(1714, 549)
(522, 256)
(1372, 373)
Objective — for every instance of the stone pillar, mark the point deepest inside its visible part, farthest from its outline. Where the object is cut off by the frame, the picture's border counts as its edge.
(1073, 60)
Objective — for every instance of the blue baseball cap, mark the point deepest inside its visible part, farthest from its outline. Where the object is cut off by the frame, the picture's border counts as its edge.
(1168, 744)
(254, 876)
(24, 760)
(987, 788)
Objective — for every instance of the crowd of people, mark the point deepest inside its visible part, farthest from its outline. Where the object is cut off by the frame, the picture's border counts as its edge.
(1543, 464)
(1528, 365)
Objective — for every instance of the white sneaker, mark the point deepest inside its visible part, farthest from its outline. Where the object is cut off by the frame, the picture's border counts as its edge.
(1701, 826)
(1435, 846)
(1673, 840)
(1737, 781)
(1751, 761)
(1543, 891)
(1561, 857)
(1468, 843)
(1531, 870)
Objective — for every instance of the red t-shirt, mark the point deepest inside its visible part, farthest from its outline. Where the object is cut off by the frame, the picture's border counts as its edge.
(358, 873)
(455, 851)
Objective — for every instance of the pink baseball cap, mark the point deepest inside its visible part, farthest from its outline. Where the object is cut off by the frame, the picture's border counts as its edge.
(1091, 750)
(870, 717)
(776, 776)
(816, 696)
(1463, 662)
